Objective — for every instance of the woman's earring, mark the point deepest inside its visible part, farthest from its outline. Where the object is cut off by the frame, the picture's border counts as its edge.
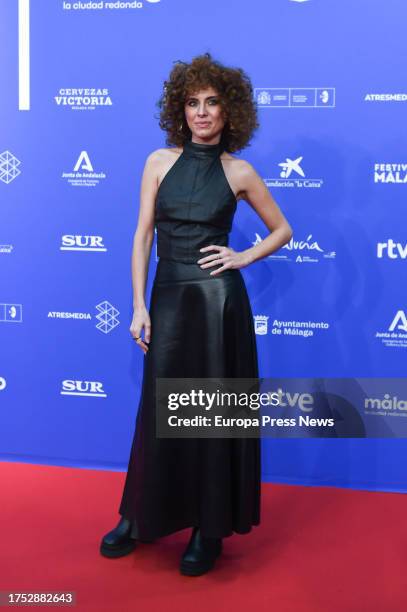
(180, 126)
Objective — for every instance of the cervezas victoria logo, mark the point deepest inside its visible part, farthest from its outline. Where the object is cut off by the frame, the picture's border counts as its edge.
(83, 98)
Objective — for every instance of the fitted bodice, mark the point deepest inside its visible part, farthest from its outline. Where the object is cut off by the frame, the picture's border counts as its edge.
(195, 204)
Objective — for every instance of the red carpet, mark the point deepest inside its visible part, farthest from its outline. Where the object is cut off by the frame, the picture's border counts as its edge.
(318, 549)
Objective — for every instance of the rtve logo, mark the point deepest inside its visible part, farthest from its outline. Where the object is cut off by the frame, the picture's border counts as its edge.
(391, 249)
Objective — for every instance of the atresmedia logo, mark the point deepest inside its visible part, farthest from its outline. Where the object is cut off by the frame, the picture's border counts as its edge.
(9, 169)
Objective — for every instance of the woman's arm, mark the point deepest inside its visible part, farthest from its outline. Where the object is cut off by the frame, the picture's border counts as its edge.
(144, 234)
(250, 187)
(256, 193)
(142, 241)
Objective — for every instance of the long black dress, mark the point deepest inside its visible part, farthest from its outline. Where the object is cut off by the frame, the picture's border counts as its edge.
(201, 326)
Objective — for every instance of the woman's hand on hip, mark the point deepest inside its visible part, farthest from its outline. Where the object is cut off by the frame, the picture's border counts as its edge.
(141, 319)
(228, 257)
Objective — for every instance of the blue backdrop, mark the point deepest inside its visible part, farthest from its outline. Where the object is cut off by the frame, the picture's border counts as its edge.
(78, 117)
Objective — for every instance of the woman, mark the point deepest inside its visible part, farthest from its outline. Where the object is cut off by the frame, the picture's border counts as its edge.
(200, 322)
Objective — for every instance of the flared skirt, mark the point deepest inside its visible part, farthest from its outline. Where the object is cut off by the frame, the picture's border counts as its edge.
(201, 327)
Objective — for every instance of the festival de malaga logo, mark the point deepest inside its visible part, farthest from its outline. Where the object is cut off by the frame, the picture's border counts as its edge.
(390, 173)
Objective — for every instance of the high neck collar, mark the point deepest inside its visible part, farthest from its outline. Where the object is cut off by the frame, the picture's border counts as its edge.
(197, 149)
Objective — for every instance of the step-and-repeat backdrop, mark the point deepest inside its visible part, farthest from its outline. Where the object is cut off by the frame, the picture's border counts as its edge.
(79, 83)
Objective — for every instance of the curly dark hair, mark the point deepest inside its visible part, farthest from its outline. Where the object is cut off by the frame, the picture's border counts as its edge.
(235, 96)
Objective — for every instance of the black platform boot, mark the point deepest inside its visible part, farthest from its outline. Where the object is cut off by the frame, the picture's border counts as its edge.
(200, 554)
(118, 542)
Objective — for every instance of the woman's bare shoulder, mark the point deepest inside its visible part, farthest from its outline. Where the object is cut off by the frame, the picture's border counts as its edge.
(238, 172)
(237, 166)
(163, 154)
(237, 161)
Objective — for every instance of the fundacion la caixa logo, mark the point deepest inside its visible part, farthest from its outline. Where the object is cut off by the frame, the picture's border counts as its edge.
(9, 169)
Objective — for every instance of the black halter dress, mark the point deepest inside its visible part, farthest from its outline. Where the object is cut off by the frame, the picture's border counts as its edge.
(201, 326)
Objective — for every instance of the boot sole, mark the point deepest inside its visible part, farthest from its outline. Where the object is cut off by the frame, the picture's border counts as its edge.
(113, 553)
